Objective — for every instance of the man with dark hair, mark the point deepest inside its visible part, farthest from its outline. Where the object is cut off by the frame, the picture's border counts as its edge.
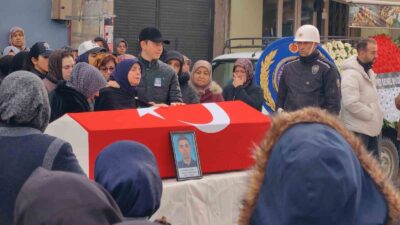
(363, 44)
(159, 83)
(361, 112)
(310, 79)
(185, 149)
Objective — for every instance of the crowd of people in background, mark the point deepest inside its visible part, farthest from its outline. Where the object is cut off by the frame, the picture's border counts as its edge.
(51, 83)
(310, 169)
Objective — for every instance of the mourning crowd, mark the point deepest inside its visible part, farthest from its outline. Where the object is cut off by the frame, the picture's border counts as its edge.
(318, 163)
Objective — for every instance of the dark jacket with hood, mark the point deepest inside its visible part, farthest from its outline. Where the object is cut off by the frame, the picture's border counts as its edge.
(249, 92)
(59, 198)
(125, 97)
(189, 95)
(24, 115)
(129, 171)
(311, 170)
(309, 81)
(159, 83)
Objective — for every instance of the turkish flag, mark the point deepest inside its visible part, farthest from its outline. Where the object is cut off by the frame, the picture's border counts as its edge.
(225, 132)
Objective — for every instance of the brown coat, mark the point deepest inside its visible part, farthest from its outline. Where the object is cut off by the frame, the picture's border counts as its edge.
(284, 121)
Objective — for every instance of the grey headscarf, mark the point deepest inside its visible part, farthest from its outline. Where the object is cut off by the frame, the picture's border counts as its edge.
(24, 101)
(86, 79)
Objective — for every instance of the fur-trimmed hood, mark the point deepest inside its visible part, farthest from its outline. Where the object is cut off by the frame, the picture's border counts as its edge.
(311, 170)
(215, 88)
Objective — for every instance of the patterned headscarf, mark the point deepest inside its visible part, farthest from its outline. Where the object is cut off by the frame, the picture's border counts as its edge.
(87, 79)
(248, 66)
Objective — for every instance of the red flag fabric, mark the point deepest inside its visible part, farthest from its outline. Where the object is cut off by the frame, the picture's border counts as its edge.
(225, 132)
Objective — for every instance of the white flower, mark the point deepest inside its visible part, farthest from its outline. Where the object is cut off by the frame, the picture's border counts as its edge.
(340, 45)
(343, 54)
(354, 51)
(347, 45)
(329, 45)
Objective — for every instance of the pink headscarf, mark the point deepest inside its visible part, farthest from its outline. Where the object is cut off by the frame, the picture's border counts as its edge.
(12, 31)
(196, 66)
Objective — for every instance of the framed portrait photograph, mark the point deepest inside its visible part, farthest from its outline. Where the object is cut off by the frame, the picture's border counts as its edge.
(187, 162)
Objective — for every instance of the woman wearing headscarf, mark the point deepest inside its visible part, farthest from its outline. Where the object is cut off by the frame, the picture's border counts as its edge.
(129, 171)
(19, 62)
(59, 198)
(61, 64)
(201, 81)
(175, 60)
(243, 86)
(311, 170)
(24, 115)
(121, 46)
(78, 93)
(5, 66)
(16, 38)
(127, 74)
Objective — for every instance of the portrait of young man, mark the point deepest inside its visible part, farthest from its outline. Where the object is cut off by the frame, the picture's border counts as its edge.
(185, 153)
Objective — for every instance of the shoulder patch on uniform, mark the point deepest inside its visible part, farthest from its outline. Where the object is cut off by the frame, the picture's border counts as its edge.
(292, 61)
(324, 63)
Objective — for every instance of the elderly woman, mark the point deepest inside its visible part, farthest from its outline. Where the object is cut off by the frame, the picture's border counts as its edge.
(24, 115)
(201, 81)
(311, 170)
(16, 39)
(127, 75)
(243, 86)
(106, 63)
(78, 93)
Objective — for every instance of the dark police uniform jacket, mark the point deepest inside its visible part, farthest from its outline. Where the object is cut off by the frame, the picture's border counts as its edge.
(309, 81)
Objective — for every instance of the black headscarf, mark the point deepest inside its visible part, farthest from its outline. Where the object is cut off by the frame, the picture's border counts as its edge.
(61, 198)
(19, 61)
(5, 65)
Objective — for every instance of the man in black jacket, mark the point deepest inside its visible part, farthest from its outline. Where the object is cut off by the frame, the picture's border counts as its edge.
(309, 80)
(159, 83)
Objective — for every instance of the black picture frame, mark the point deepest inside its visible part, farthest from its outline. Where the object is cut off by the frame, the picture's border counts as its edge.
(180, 141)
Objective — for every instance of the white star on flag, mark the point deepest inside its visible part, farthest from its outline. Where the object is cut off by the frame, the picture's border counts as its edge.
(144, 111)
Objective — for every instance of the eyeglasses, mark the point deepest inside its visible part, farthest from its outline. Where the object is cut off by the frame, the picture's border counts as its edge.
(107, 68)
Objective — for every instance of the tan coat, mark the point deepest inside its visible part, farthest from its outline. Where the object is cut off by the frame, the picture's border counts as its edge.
(284, 121)
(360, 109)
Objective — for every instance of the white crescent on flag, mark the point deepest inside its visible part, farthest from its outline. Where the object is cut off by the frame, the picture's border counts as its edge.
(219, 122)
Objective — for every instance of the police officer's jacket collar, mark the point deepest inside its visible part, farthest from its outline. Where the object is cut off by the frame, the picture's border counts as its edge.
(148, 64)
(311, 58)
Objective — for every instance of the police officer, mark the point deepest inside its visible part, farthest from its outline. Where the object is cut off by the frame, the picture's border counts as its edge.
(310, 79)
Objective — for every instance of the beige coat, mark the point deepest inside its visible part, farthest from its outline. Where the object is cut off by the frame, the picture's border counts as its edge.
(360, 109)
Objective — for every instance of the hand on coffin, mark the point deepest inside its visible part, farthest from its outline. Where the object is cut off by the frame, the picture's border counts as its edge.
(177, 103)
(158, 104)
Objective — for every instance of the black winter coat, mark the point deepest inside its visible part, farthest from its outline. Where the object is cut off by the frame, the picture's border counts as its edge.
(65, 99)
(117, 98)
(309, 81)
(252, 94)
